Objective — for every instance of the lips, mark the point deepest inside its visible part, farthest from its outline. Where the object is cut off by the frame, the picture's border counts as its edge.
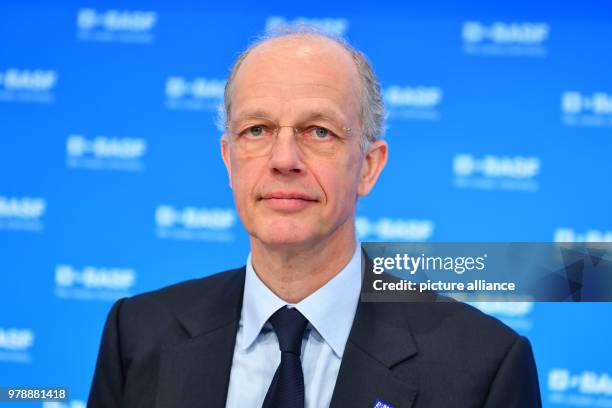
(287, 201)
(286, 195)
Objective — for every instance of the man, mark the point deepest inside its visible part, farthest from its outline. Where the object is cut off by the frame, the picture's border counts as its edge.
(304, 117)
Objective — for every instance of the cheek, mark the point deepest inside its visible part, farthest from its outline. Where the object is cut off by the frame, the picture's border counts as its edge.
(238, 179)
(241, 192)
(244, 179)
(342, 185)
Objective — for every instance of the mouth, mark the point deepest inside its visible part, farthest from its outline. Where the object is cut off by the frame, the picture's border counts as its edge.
(287, 201)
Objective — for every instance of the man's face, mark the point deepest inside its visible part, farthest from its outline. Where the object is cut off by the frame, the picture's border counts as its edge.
(293, 195)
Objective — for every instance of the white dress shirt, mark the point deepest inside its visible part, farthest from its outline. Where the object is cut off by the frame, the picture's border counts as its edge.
(330, 312)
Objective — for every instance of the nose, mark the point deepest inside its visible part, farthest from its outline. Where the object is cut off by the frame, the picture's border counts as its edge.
(286, 156)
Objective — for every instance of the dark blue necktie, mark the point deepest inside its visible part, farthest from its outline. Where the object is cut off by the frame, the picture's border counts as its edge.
(287, 387)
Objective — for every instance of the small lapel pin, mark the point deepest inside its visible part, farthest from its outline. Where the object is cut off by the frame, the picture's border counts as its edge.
(382, 404)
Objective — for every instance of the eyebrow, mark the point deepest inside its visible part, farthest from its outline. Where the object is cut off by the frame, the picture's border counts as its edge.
(253, 113)
(316, 114)
(324, 115)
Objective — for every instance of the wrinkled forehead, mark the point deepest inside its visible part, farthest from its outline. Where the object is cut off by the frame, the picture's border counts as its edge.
(298, 70)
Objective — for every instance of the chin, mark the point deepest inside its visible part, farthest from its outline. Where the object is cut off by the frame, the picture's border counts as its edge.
(285, 238)
(285, 233)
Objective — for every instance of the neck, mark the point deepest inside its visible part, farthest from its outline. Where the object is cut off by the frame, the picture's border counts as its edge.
(293, 272)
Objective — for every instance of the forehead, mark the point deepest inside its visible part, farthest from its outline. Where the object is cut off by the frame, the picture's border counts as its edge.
(293, 74)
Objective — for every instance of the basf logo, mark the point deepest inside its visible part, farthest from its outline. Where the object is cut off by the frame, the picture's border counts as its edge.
(93, 282)
(105, 153)
(387, 229)
(197, 94)
(589, 110)
(591, 235)
(517, 173)
(335, 26)
(413, 102)
(517, 315)
(28, 85)
(22, 213)
(584, 389)
(526, 39)
(195, 223)
(120, 26)
(15, 344)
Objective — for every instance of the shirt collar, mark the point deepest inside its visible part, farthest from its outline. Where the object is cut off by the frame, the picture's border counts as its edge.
(330, 309)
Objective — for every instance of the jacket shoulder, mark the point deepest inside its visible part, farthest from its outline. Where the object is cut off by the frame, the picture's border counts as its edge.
(460, 338)
(154, 319)
(464, 323)
(472, 351)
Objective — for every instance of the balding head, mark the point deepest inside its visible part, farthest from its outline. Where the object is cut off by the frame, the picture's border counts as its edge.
(303, 45)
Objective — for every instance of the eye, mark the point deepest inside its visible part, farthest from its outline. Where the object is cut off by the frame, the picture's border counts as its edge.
(320, 132)
(256, 130)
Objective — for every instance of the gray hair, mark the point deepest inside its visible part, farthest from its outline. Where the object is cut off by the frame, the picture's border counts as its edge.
(372, 112)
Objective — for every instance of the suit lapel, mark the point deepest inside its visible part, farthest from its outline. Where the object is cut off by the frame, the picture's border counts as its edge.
(380, 340)
(195, 373)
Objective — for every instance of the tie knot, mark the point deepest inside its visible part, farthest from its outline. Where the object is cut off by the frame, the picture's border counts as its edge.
(289, 326)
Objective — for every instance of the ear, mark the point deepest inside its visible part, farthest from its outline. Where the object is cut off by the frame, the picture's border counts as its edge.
(373, 163)
(225, 155)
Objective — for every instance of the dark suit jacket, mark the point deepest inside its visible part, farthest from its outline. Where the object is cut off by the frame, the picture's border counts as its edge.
(173, 348)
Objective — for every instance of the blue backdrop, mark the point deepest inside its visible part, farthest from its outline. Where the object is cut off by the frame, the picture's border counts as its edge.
(111, 183)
